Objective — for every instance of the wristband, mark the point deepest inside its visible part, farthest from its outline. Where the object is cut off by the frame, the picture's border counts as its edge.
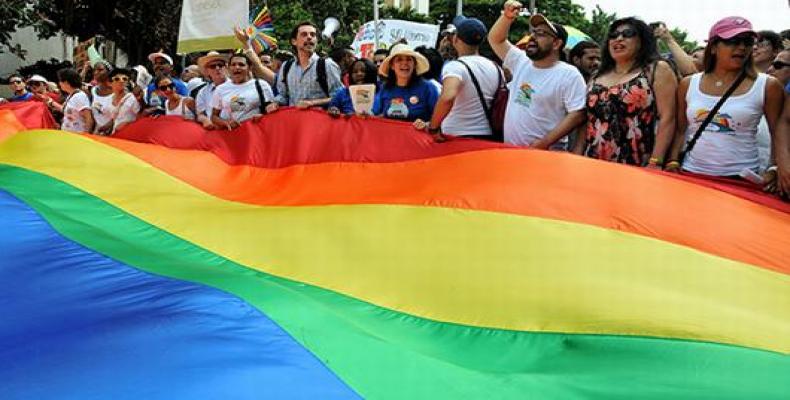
(772, 168)
(434, 130)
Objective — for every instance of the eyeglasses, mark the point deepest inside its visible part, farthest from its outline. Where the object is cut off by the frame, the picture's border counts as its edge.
(626, 33)
(120, 79)
(166, 87)
(777, 65)
(215, 66)
(541, 33)
(747, 41)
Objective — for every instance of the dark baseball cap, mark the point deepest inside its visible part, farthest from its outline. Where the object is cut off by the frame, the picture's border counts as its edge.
(471, 31)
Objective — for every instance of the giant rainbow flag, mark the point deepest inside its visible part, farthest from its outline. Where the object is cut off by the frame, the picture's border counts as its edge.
(310, 258)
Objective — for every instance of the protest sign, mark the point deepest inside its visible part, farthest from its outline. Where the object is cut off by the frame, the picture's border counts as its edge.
(208, 24)
(391, 30)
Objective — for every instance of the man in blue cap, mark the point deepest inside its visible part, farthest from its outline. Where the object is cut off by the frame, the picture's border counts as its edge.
(459, 110)
(547, 96)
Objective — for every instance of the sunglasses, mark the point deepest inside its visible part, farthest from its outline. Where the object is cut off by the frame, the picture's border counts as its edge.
(627, 33)
(747, 41)
(120, 79)
(779, 65)
(166, 87)
(215, 66)
(15, 82)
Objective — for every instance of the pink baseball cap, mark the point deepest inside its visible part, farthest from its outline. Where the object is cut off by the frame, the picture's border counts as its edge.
(730, 27)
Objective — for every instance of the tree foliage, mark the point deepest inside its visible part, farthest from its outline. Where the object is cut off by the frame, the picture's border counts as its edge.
(141, 26)
(14, 14)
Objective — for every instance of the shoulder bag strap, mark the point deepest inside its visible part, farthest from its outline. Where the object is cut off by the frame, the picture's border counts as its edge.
(479, 91)
(711, 114)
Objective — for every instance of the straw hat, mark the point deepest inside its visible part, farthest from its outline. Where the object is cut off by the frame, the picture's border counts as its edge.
(421, 62)
(211, 56)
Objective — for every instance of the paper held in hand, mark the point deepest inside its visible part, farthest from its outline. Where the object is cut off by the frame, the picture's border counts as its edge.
(362, 97)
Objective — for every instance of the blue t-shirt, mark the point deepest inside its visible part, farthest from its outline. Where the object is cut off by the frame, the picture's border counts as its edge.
(154, 100)
(407, 103)
(787, 88)
(22, 97)
(342, 100)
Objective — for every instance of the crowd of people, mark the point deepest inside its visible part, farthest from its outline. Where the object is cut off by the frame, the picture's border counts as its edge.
(719, 110)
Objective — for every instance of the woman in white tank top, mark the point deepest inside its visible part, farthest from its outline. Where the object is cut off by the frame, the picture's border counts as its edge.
(728, 145)
(175, 104)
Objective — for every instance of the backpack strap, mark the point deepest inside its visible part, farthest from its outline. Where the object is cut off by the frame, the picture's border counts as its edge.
(261, 99)
(285, 70)
(321, 76)
(712, 114)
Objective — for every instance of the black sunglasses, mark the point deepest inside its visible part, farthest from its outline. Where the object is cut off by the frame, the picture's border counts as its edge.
(166, 87)
(747, 41)
(779, 65)
(627, 33)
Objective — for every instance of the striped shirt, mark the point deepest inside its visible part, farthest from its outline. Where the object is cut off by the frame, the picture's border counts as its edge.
(303, 83)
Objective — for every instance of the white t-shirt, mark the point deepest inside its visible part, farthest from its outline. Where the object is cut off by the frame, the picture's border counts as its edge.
(101, 108)
(467, 117)
(72, 120)
(203, 99)
(729, 143)
(126, 112)
(241, 102)
(540, 98)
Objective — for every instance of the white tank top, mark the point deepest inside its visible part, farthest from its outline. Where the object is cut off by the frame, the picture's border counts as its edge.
(729, 143)
(180, 110)
(101, 108)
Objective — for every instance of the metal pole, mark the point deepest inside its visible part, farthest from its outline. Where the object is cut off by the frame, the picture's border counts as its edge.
(532, 6)
(376, 24)
(459, 7)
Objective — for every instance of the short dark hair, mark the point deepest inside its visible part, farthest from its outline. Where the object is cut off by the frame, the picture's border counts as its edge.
(16, 76)
(70, 76)
(785, 34)
(371, 72)
(435, 62)
(773, 38)
(295, 31)
(160, 78)
(385, 52)
(283, 55)
(578, 50)
(338, 53)
(648, 49)
(240, 54)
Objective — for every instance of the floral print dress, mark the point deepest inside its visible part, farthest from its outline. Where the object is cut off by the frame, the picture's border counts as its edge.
(621, 121)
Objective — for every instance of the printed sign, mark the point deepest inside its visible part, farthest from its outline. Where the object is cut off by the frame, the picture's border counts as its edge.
(208, 24)
(390, 31)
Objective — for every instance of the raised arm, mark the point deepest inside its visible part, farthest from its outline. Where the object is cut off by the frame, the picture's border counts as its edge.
(497, 37)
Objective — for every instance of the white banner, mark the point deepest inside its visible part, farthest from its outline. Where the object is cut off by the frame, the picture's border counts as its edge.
(208, 24)
(390, 30)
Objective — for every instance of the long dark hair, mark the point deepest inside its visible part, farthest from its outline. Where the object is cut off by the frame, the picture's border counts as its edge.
(371, 75)
(648, 49)
(709, 60)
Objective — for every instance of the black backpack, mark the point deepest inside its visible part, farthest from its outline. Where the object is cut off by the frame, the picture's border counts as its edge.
(320, 75)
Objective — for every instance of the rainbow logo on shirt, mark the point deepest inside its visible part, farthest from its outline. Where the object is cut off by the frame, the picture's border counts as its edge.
(720, 123)
(525, 93)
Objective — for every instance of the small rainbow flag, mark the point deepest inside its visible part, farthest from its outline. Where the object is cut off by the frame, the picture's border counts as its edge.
(261, 31)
